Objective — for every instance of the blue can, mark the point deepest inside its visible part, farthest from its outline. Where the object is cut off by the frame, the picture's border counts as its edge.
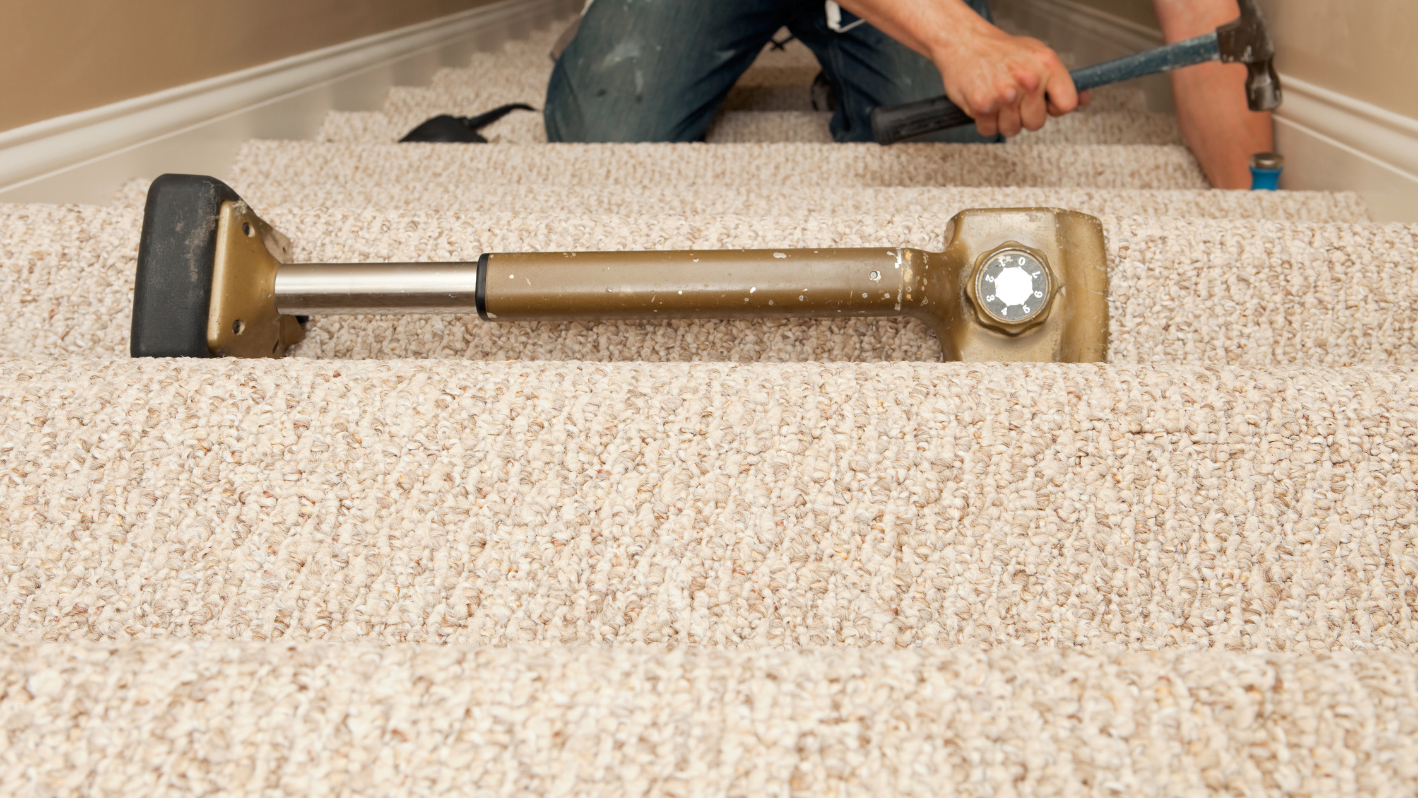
(1265, 171)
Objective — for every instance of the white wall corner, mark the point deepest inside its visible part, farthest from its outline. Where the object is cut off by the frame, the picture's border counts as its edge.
(85, 156)
(1331, 142)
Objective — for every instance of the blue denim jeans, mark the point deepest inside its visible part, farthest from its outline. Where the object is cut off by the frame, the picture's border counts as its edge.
(657, 70)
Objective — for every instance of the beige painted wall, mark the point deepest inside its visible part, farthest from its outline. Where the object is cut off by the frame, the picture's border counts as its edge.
(62, 56)
(1139, 11)
(1364, 49)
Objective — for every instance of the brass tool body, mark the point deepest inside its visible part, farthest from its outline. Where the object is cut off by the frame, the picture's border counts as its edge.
(1021, 284)
(243, 320)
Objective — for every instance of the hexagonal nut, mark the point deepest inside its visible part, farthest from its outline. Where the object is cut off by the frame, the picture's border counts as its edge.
(1012, 288)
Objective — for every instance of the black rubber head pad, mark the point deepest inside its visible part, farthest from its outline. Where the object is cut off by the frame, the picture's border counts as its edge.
(173, 291)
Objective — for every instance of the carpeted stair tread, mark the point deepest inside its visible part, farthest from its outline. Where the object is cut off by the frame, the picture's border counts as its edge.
(1176, 508)
(420, 168)
(1182, 290)
(322, 719)
(1292, 206)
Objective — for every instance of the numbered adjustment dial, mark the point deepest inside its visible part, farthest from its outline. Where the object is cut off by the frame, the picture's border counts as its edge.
(1012, 286)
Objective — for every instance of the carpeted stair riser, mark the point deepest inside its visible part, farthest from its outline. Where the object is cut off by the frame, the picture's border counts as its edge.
(741, 506)
(1182, 291)
(1105, 128)
(196, 719)
(416, 168)
(735, 127)
(360, 127)
(423, 102)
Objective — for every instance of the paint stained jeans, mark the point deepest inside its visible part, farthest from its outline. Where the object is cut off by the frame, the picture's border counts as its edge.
(657, 70)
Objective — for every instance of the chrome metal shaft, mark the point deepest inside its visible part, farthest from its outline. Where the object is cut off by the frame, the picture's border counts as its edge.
(347, 289)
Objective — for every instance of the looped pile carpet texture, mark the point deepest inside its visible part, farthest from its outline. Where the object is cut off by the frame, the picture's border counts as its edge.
(436, 556)
(221, 717)
(808, 505)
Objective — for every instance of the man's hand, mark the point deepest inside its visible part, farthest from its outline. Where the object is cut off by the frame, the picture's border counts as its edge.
(1006, 83)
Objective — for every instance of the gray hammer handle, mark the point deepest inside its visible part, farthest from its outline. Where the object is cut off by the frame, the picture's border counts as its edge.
(893, 123)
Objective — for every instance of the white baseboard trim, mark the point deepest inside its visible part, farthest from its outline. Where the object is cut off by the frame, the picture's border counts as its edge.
(1331, 142)
(84, 157)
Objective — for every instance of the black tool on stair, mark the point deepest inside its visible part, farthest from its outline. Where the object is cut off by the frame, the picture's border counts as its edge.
(1246, 40)
(445, 128)
(1016, 284)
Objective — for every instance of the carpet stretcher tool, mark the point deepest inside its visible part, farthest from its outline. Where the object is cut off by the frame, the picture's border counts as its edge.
(1246, 40)
(1019, 284)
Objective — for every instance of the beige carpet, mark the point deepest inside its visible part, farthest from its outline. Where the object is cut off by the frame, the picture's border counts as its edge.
(769, 200)
(743, 506)
(318, 720)
(732, 127)
(399, 565)
(419, 167)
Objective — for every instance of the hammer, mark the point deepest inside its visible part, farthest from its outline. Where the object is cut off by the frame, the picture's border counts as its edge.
(1245, 40)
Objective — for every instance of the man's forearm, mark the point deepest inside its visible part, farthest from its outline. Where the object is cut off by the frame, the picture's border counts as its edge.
(1211, 99)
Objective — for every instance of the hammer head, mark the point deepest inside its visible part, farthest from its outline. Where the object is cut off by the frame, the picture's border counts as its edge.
(1247, 41)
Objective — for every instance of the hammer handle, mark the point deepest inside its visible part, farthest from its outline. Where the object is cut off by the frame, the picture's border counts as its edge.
(893, 123)
(1150, 62)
